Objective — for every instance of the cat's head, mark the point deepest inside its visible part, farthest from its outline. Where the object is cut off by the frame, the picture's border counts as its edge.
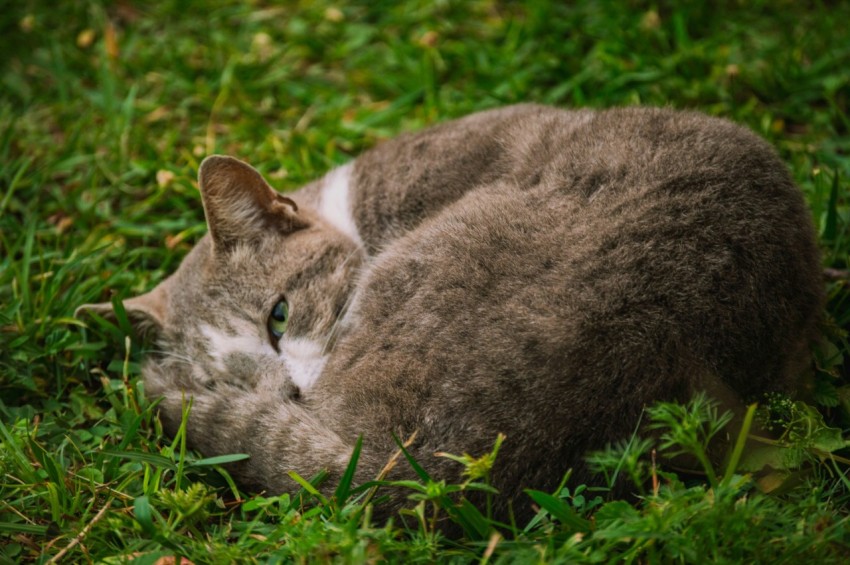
(256, 302)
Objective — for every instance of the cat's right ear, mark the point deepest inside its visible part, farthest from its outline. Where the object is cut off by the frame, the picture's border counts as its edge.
(146, 312)
(239, 204)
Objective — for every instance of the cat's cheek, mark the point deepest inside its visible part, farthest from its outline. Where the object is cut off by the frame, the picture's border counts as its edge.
(221, 346)
(171, 412)
(274, 381)
(171, 397)
(204, 411)
(155, 381)
(202, 402)
(175, 387)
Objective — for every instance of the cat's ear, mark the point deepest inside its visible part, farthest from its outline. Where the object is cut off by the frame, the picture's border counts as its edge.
(240, 205)
(146, 312)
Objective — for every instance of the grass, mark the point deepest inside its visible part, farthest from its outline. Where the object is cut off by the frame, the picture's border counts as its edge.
(106, 109)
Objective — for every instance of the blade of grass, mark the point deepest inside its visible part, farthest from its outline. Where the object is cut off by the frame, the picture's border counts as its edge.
(13, 184)
(559, 510)
(417, 468)
(344, 488)
(305, 484)
(740, 442)
(830, 227)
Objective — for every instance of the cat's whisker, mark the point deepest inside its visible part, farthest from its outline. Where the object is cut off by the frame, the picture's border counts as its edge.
(342, 314)
(351, 255)
(175, 356)
(337, 323)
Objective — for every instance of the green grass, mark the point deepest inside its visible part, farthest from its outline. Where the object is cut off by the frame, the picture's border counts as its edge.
(106, 109)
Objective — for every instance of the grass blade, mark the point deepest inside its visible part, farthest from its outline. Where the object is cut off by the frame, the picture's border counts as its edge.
(144, 514)
(305, 484)
(559, 510)
(417, 468)
(344, 487)
(218, 460)
(740, 442)
(12, 527)
(143, 457)
(830, 227)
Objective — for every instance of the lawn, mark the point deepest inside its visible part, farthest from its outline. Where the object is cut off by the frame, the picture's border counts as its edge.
(106, 110)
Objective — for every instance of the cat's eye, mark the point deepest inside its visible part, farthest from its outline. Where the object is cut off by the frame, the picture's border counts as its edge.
(278, 319)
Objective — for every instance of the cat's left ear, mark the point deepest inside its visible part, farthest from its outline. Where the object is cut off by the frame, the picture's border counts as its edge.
(240, 205)
(146, 312)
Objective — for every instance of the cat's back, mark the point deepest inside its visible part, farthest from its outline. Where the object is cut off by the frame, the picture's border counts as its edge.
(626, 148)
(587, 153)
(617, 258)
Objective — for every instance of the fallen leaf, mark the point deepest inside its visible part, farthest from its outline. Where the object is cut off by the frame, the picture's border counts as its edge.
(334, 15)
(164, 178)
(428, 39)
(771, 481)
(157, 114)
(27, 23)
(172, 241)
(63, 225)
(263, 45)
(650, 21)
(171, 561)
(85, 38)
(110, 41)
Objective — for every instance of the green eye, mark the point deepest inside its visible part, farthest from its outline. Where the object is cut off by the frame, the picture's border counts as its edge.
(278, 319)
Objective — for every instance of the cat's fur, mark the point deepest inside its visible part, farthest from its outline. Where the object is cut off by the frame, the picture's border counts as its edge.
(537, 272)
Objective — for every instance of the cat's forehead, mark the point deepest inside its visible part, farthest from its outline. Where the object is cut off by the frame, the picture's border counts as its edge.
(208, 283)
(248, 262)
(252, 276)
(273, 259)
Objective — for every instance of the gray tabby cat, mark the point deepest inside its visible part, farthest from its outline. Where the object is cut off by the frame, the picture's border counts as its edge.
(537, 272)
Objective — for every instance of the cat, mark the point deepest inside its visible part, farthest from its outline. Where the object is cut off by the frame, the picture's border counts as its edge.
(537, 272)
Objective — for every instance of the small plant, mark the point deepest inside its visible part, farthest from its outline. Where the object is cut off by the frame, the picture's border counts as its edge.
(723, 518)
(186, 506)
(689, 429)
